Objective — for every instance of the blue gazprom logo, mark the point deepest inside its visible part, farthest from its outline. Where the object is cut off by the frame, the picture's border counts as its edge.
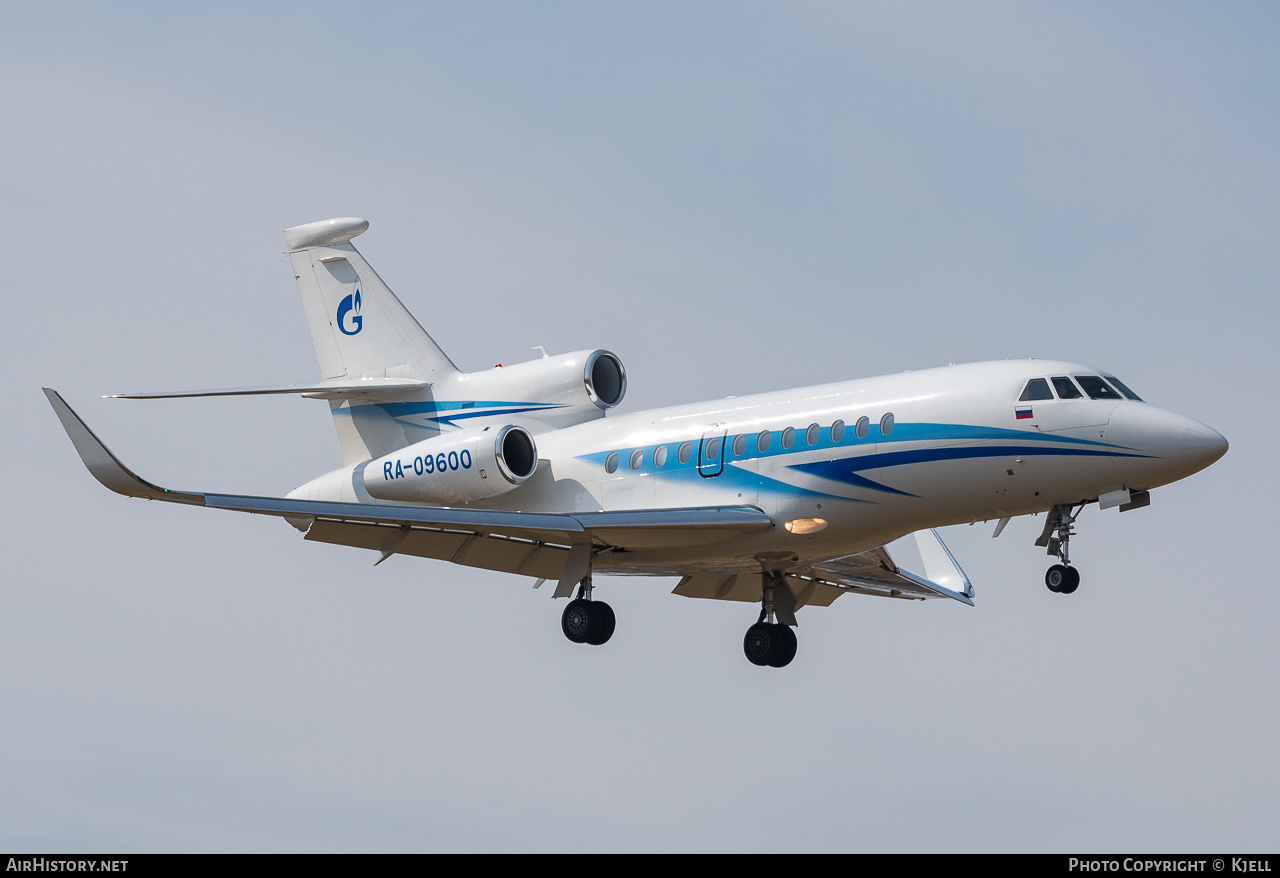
(349, 319)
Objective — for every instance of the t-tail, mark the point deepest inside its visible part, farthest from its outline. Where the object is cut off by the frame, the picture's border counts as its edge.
(389, 385)
(363, 335)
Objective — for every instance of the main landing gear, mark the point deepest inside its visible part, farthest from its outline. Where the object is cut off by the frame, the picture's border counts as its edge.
(585, 620)
(768, 642)
(1060, 578)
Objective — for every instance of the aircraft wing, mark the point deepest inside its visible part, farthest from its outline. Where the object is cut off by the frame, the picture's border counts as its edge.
(874, 572)
(545, 545)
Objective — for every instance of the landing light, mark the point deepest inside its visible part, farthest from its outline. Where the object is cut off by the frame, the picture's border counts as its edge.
(805, 525)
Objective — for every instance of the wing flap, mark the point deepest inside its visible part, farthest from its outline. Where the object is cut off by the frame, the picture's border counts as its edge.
(485, 551)
(875, 572)
(748, 587)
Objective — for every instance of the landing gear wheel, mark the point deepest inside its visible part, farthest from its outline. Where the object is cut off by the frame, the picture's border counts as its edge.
(1072, 583)
(1057, 576)
(607, 621)
(786, 647)
(580, 623)
(769, 644)
(760, 643)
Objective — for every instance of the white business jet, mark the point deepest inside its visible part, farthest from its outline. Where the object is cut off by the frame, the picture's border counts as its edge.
(785, 500)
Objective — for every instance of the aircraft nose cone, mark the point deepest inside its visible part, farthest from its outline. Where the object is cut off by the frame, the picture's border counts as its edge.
(1163, 446)
(1210, 444)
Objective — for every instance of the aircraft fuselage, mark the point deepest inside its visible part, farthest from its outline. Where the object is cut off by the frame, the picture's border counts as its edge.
(856, 463)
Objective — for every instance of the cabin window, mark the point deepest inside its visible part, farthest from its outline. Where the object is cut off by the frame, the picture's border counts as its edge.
(739, 444)
(788, 437)
(1097, 388)
(762, 441)
(611, 462)
(660, 455)
(886, 424)
(1037, 388)
(861, 428)
(812, 435)
(1066, 390)
(1120, 386)
(685, 452)
(637, 458)
(837, 431)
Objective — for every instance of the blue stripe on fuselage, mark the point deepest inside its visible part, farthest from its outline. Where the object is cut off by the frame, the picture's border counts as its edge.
(865, 456)
(963, 432)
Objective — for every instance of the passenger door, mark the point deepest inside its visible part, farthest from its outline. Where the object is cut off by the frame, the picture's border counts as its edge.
(711, 452)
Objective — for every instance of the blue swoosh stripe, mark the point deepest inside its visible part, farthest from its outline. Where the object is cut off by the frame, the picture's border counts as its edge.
(846, 470)
(930, 455)
(952, 432)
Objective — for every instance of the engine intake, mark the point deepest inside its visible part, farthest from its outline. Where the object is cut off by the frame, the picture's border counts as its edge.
(606, 380)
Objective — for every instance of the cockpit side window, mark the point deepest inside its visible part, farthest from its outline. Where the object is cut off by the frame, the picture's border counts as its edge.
(1119, 385)
(1037, 388)
(1066, 390)
(1097, 388)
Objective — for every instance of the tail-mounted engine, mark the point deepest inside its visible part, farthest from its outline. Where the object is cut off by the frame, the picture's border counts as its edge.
(559, 391)
(457, 467)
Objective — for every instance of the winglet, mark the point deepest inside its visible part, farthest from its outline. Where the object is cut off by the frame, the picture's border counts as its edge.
(105, 466)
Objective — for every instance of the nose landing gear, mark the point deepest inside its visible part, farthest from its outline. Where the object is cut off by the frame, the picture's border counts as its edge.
(1056, 536)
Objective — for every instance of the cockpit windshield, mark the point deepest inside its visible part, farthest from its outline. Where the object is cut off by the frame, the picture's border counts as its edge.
(1119, 385)
(1069, 388)
(1066, 390)
(1097, 388)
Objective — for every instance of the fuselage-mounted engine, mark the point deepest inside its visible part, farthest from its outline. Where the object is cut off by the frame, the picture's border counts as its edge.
(457, 467)
(560, 391)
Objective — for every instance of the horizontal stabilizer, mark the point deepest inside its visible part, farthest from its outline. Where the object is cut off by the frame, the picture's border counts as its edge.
(337, 389)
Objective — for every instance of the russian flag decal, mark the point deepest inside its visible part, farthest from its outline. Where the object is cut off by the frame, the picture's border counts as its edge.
(1022, 413)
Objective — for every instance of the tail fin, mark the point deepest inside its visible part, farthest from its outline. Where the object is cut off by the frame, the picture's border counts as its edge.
(359, 328)
(361, 331)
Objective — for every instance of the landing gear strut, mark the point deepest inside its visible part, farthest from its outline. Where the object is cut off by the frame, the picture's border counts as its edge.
(585, 620)
(768, 642)
(1056, 536)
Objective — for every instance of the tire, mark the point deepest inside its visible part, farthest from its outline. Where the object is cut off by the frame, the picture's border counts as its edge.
(786, 650)
(1073, 581)
(606, 623)
(579, 622)
(1056, 577)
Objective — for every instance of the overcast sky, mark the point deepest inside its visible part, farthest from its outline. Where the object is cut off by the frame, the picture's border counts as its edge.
(734, 197)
